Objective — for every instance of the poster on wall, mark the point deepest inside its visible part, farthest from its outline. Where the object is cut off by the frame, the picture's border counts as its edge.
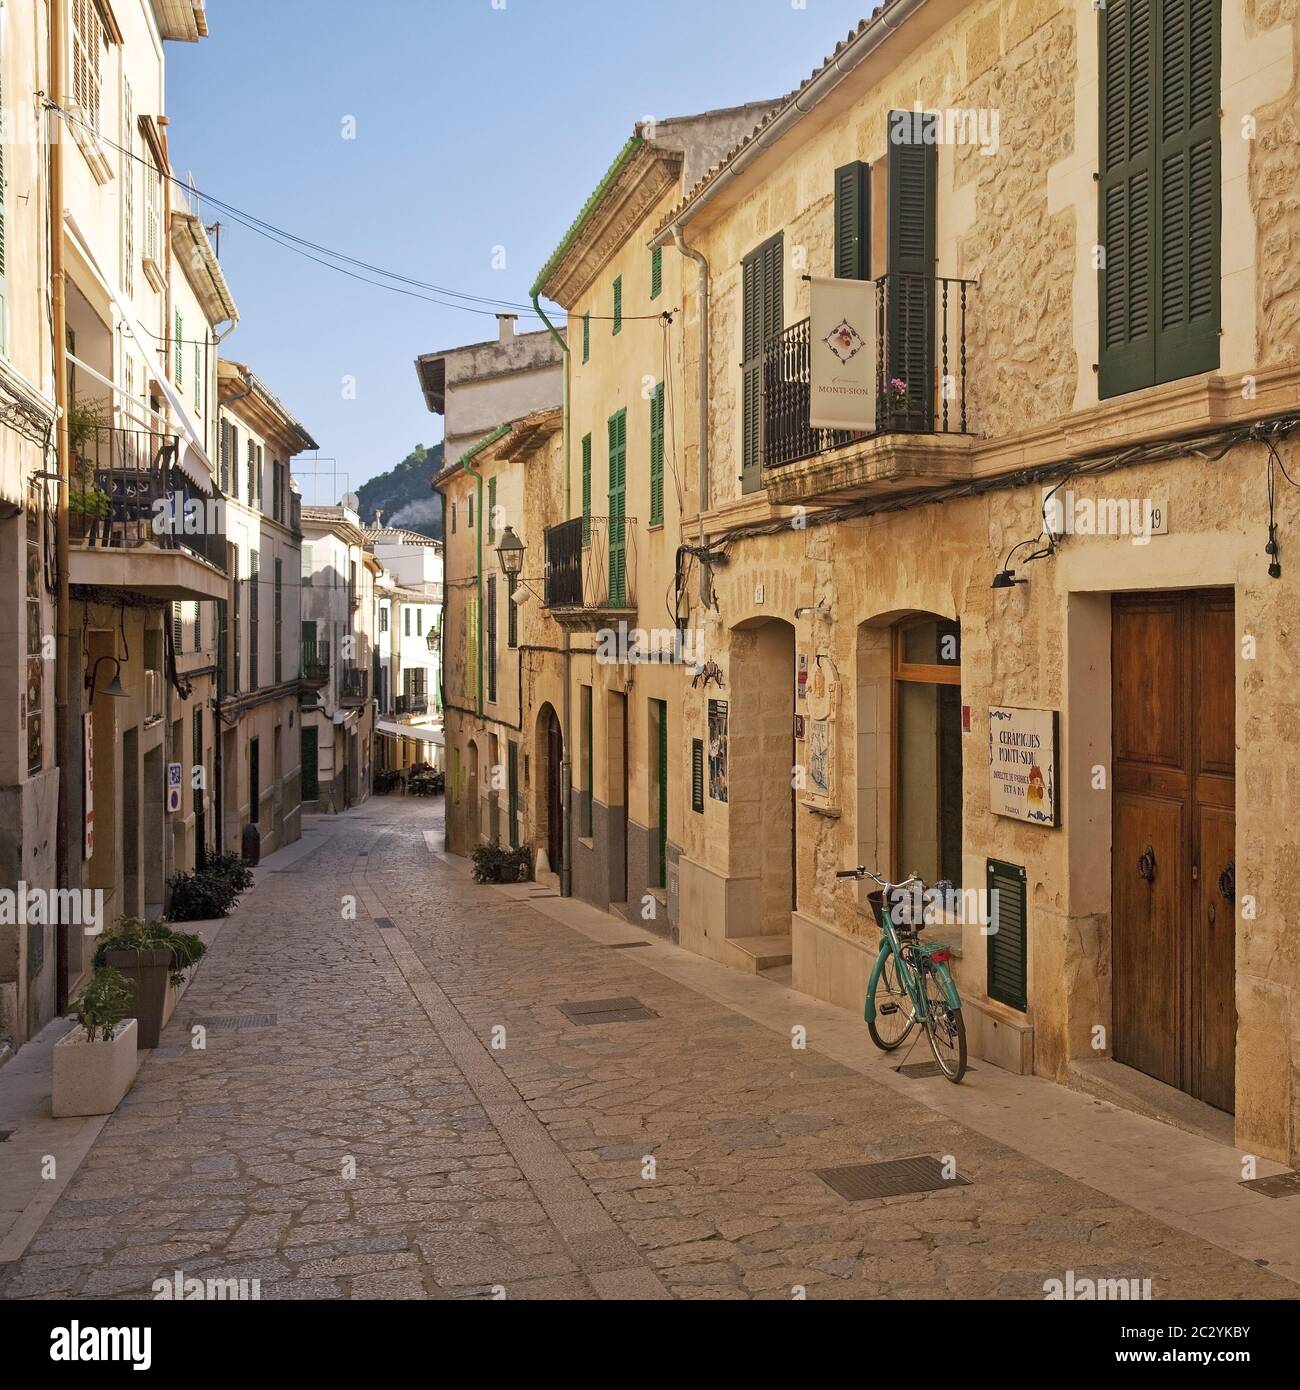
(819, 757)
(1024, 764)
(842, 351)
(718, 749)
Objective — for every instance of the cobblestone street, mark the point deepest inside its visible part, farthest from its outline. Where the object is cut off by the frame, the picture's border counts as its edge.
(499, 1146)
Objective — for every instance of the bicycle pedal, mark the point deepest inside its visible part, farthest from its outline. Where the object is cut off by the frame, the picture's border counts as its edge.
(889, 1008)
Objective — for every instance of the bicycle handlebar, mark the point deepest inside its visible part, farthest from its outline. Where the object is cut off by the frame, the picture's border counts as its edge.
(862, 872)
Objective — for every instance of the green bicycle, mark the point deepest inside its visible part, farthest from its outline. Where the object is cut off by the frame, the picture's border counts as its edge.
(910, 982)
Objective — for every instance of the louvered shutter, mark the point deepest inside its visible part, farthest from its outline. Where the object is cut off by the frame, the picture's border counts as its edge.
(586, 489)
(853, 221)
(618, 304)
(763, 318)
(656, 272)
(1160, 196)
(1007, 948)
(512, 783)
(909, 328)
(586, 337)
(697, 774)
(492, 509)
(657, 456)
(617, 509)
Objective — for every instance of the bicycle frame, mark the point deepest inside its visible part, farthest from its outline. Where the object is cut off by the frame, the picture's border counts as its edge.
(909, 978)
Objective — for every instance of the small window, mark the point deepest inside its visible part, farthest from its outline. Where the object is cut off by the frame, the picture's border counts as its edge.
(618, 304)
(306, 566)
(419, 622)
(656, 272)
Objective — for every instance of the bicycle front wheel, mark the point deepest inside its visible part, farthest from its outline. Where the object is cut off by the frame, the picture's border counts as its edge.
(946, 1030)
(894, 1018)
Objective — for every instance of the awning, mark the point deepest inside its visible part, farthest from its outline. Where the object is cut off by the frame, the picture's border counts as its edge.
(194, 461)
(424, 733)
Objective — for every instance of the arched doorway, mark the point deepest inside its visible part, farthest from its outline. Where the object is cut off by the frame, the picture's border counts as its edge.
(759, 756)
(549, 758)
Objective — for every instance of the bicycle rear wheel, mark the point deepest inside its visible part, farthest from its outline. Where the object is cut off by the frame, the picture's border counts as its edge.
(946, 1030)
(894, 1018)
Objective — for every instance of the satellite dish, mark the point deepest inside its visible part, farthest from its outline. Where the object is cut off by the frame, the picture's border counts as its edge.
(351, 501)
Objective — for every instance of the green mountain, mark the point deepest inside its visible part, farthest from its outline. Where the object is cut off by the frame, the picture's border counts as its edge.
(403, 496)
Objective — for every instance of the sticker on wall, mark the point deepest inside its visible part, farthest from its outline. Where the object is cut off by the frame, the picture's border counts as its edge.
(173, 787)
(799, 731)
(803, 676)
(718, 750)
(1024, 764)
(819, 758)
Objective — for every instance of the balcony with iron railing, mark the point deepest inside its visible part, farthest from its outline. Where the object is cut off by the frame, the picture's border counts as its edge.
(354, 685)
(138, 521)
(923, 432)
(590, 570)
(410, 706)
(315, 667)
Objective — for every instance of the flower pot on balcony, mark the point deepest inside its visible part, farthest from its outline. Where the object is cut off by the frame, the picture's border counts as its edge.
(90, 1078)
(148, 971)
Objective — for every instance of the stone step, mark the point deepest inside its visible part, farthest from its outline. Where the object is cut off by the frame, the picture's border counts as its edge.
(758, 953)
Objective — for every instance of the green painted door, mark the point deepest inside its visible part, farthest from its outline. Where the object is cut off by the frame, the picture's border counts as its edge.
(310, 775)
(661, 837)
(512, 763)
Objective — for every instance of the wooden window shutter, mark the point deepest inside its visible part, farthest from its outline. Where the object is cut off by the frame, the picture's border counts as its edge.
(1008, 959)
(180, 336)
(586, 489)
(909, 303)
(656, 272)
(697, 775)
(512, 782)
(586, 337)
(657, 456)
(762, 318)
(853, 221)
(618, 304)
(617, 509)
(1160, 195)
(492, 509)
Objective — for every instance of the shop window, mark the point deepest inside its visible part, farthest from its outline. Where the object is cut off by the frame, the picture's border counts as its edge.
(927, 749)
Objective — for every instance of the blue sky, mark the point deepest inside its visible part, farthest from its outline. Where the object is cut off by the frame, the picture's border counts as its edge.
(476, 126)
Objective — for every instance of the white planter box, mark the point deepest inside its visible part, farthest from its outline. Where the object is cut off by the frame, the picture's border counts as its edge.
(90, 1078)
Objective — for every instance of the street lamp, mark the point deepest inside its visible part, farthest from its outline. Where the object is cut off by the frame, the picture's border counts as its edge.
(510, 554)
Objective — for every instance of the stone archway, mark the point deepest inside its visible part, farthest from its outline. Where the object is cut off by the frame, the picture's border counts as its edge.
(548, 784)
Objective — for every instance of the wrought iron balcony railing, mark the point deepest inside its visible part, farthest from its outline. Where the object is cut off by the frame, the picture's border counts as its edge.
(354, 685)
(920, 370)
(591, 564)
(315, 667)
(128, 491)
(412, 704)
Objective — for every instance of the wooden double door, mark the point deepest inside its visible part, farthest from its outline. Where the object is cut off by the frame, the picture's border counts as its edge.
(1173, 875)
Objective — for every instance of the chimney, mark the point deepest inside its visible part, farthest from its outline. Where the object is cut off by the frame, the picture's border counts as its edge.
(379, 516)
(506, 326)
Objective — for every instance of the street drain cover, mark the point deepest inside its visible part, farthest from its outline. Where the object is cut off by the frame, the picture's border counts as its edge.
(383, 922)
(625, 1010)
(861, 1182)
(234, 1023)
(626, 945)
(1281, 1185)
(918, 1070)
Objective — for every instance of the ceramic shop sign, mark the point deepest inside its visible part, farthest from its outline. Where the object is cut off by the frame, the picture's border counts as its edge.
(1024, 764)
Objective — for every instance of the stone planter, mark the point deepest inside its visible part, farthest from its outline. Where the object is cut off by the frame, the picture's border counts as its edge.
(90, 1078)
(148, 971)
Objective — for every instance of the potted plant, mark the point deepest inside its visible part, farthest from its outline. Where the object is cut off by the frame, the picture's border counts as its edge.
(156, 958)
(209, 892)
(87, 503)
(492, 864)
(95, 1064)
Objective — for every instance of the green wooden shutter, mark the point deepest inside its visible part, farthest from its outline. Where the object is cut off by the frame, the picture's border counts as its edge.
(1160, 194)
(762, 318)
(586, 489)
(492, 509)
(618, 304)
(586, 337)
(656, 272)
(1008, 958)
(853, 221)
(617, 509)
(912, 170)
(512, 783)
(657, 456)
(492, 637)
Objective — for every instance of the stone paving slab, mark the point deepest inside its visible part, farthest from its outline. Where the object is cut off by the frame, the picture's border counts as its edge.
(423, 1122)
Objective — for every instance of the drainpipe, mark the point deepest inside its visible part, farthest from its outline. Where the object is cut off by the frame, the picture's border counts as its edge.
(706, 584)
(59, 308)
(566, 768)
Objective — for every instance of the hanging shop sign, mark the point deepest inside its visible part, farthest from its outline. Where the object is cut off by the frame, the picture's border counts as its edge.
(842, 355)
(1024, 764)
(718, 749)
